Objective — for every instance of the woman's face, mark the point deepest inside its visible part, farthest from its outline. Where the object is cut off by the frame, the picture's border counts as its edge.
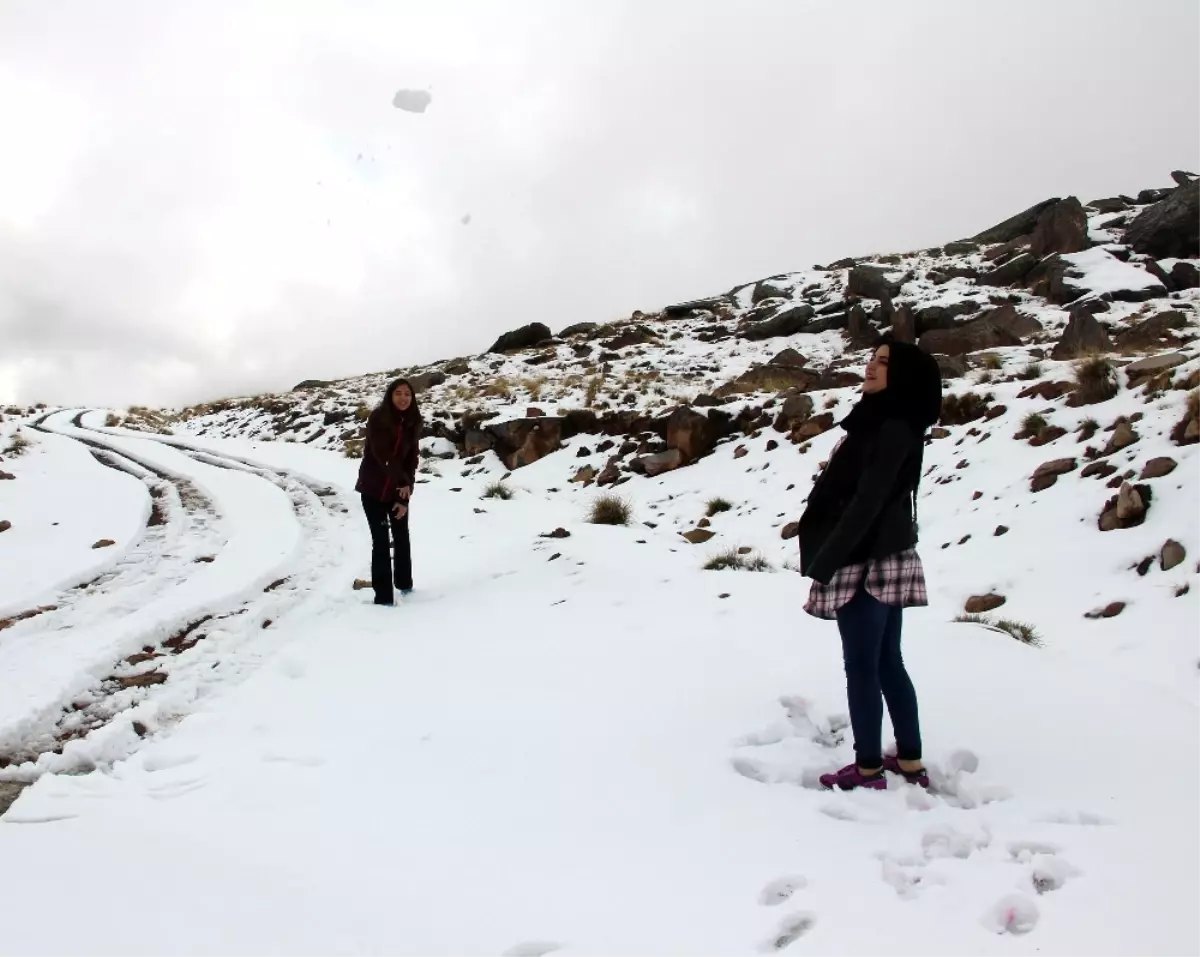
(877, 371)
(402, 398)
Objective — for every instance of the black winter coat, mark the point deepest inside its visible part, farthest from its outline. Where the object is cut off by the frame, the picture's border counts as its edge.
(861, 506)
(390, 457)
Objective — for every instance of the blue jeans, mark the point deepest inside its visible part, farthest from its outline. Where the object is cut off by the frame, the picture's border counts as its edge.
(875, 673)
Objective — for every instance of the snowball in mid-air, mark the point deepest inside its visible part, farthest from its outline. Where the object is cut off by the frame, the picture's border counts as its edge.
(412, 101)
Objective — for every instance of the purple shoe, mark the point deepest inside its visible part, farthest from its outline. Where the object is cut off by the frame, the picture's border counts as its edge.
(849, 778)
(920, 778)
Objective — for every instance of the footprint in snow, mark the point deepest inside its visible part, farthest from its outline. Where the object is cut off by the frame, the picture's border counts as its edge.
(781, 889)
(790, 930)
(1050, 873)
(947, 841)
(1014, 914)
(533, 948)
(753, 770)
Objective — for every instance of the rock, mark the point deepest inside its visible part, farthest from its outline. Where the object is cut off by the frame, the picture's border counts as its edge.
(457, 367)
(427, 380)
(1051, 279)
(981, 604)
(5, 525)
(522, 442)
(1011, 272)
(1182, 177)
(1185, 275)
(1158, 467)
(1111, 610)
(1046, 391)
(1082, 336)
(309, 384)
(1047, 473)
(1061, 228)
(476, 442)
(771, 378)
(786, 322)
(578, 329)
(773, 288)
(533, 412)
(104, 543)
(1171, 227)
(960, 247)
(795, 411)
(143, 680)
(1126, 509)
(1000, 530)
(361, 583)
(1022, 224)
(698, 536)
(1154, 365)
(523, 338)
(1123, 436)
(1152, 333)
(790, 530)
(789, 357)
(705, 401)
(1099, 469)
(858, 328)
(1172, 554)
(904, 325)
(691, 433)
(951, 367)
(1015, 323)
(586, 475)
(943, 317)
(973, 336)
(811, 428)
(1111, 205)
(611, 472)
(6, 476)
(871, 282)
(659, 462)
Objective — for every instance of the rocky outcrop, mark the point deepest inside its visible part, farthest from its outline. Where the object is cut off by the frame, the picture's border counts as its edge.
(1061, 228)
(523, 338)
(1011, 272)
(776, 287)
(1015, 323)
(1022, 224)
(786, 322)
(522, 442)
(794, 413)
(1171, 227)
(691, 433)
(424, 381)
(578, 329)
(970, 337)
(1047, 473)
(1153, 333)
(873, 282)
(1083, 335)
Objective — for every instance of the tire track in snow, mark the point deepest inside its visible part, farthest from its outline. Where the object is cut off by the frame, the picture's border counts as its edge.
(157, 686)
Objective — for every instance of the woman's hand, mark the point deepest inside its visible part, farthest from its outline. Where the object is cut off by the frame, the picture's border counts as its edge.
(405, 492)
(400, 510)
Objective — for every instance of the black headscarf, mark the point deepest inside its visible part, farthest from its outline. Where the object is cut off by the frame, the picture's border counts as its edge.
(913, 394)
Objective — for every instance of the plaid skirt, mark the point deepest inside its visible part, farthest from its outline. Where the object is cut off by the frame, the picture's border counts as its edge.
(897, 580)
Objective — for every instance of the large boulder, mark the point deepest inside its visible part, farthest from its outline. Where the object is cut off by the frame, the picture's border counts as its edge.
(1171, 227)
(1013, 322)
(786, 322)
(1012, 271)
(579, 328)
(1022, 224)
(1185, 275)
(424, 381)
(1061, 228)
(872, 282)
(973, 336)
(691, 433)
(1152, 333)
(943, 316)
(774, 288)
(1083, 335)
(904, 325)
(522, 442)
(795, 412)
(658, 462)
(523, 338)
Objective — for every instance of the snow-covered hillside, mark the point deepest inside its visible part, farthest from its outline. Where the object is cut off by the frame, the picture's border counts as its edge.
(577, 738)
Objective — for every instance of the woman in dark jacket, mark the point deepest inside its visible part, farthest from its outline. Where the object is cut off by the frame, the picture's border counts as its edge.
(857, 543)
(385, 480)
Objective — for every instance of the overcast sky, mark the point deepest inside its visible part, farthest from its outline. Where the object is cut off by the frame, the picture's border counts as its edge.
(184, 213)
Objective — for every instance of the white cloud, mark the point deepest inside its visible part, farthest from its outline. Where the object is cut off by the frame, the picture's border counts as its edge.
(184, 211)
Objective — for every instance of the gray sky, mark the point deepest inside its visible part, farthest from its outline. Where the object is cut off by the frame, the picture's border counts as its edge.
(183, 213)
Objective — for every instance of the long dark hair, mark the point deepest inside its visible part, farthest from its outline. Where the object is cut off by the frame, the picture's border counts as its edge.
(387, 412)
(913, 395)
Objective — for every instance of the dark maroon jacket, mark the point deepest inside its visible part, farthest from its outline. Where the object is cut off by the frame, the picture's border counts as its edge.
(390, 457)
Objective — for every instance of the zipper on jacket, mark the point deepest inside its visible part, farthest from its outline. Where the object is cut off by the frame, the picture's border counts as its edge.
(395, 451)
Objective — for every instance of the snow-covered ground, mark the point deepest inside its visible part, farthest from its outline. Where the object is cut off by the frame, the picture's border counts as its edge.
(589, 744)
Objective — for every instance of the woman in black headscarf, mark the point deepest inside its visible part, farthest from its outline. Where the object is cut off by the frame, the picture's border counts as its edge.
(857, 542)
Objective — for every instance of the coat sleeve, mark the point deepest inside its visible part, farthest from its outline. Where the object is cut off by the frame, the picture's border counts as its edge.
(875, 487)
(381, 446)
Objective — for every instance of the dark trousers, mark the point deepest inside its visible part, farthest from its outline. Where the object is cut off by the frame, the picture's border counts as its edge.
(874, 674)
(385, 572)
